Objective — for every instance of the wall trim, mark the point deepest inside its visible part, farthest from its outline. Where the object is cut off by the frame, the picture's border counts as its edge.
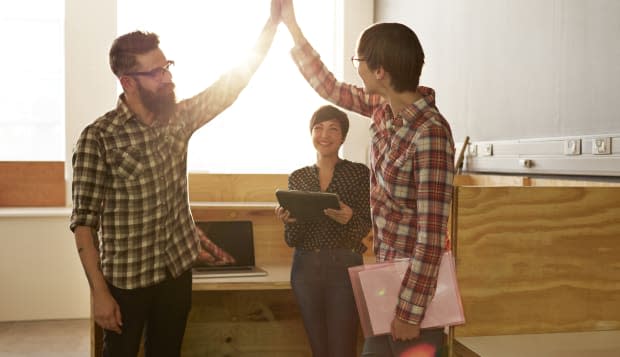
(586, 155)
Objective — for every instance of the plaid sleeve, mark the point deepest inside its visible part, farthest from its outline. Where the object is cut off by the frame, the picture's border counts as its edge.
(88, 183)
(434, 171)
(324, 82)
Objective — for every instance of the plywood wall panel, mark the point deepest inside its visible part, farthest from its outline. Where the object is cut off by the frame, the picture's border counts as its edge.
(235, 187)
(538, 259)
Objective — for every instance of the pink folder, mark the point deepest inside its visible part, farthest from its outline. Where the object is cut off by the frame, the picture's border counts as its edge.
(376, 288)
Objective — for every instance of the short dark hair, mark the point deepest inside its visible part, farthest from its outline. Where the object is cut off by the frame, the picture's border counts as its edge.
(396, 48)
(125, 48)
(329, 112)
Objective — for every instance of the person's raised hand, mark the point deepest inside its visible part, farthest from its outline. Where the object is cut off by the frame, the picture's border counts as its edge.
(287, 13)
(276, 11)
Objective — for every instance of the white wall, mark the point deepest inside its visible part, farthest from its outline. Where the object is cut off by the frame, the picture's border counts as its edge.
(357, 15)
(40, 271)
(515, 69)
(90, 28)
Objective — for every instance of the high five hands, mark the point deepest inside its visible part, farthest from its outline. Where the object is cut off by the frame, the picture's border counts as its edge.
(282, 10)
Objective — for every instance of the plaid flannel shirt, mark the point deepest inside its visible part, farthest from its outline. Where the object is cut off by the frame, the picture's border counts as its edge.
(412, 168)
(130, 186)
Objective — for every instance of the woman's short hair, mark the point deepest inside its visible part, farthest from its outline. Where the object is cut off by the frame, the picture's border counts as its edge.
(125, 48)
(396, 48)
(329, 112)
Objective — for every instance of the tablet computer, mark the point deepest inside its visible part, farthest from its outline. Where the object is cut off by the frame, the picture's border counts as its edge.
(306, 205)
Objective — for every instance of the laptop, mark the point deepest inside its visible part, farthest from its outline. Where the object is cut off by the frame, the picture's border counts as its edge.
(236, 238)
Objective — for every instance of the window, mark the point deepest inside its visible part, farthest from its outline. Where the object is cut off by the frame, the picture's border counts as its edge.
(266, 129)
(32, 94)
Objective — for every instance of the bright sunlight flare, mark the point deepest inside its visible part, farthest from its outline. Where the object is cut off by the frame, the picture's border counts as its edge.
(266, 129)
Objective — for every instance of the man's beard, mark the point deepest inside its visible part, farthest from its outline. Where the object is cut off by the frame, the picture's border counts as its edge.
(162, 103)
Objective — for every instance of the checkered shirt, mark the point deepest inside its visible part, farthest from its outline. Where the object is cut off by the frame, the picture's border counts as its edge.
(412, 168)
(130, 186)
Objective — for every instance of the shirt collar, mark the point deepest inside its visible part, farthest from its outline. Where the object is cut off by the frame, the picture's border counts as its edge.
(414, 110)
(123, 111)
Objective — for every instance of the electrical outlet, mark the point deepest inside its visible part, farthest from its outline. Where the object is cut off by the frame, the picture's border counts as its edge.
(601, 146)
(487, 150)
(472, 149)
(572, 147)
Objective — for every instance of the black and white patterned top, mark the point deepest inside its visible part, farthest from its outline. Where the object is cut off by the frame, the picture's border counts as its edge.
(351, 181)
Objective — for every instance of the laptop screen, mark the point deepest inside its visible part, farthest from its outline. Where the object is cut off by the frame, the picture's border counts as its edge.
(235, 238)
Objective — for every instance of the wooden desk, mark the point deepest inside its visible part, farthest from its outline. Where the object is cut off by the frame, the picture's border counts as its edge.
(253, 316)
(243, 316)
(240, 316)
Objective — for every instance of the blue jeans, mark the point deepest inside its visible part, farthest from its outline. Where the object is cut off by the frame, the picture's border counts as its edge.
(160, 310)
(322, 287)
(428, 344)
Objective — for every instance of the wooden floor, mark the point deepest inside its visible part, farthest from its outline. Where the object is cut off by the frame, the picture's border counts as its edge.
(70, 338)
(53, 338)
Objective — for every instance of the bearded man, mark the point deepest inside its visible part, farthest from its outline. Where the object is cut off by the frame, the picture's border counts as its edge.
(131, 217)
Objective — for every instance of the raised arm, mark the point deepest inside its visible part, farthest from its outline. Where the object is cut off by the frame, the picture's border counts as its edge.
(322, 80)
(288, 18)
(265, 39)
(220, 95)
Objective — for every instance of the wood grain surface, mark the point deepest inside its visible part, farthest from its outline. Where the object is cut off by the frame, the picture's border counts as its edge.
(235, 187)
(538, 259)
(245, 323)
(32, 184)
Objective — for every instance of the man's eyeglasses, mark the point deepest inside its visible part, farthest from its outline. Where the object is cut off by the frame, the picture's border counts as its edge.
(356, 61)
(156, 73)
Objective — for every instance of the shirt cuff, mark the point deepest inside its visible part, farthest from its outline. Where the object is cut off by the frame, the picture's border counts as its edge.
(409, 313)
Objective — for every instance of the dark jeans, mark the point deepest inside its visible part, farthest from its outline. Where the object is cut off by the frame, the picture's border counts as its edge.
(428, 344)
(321, 284)
(160, 310)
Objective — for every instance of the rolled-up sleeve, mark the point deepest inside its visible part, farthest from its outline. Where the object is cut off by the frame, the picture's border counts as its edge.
(88, 183)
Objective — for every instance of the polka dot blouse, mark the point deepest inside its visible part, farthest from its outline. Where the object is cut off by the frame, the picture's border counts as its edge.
(351, 181)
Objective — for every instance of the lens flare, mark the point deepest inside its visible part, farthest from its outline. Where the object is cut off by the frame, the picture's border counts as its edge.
(422, 350)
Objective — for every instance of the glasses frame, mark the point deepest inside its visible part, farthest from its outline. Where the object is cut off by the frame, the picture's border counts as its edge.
(155, 73)
(356, 61)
